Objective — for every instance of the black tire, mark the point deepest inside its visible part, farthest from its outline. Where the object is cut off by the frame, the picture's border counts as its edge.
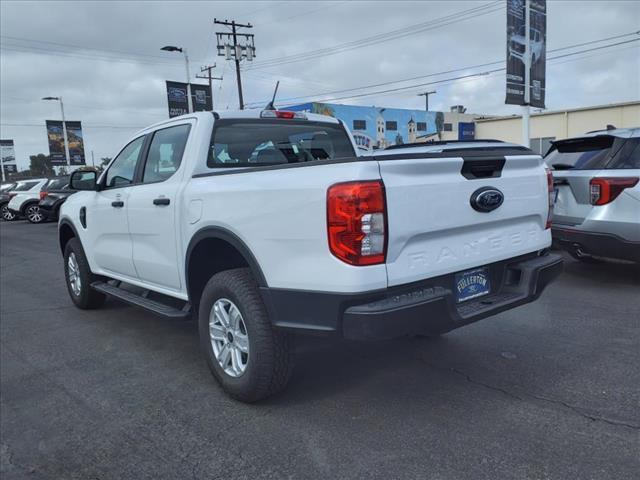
(270, 358)
(87, 298)
(7, 215)
(33, 214)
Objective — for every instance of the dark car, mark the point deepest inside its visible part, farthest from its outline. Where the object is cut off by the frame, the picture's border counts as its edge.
(53, 195)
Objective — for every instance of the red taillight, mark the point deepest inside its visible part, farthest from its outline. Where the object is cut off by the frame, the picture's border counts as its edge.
(42, 195)
(356, 222)
(282, 114)
(551, 198)
(605, 190)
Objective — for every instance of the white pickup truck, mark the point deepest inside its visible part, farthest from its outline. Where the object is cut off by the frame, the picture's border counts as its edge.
(268, 223)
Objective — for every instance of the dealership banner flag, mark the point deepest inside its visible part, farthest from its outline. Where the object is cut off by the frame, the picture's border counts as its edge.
(177, 98)
(8, 156)
(516, 45)
(56, 143)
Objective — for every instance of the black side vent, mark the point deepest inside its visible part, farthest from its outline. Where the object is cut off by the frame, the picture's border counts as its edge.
(482, 168)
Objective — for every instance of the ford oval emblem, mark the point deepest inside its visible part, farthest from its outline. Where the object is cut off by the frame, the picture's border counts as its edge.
(486, 199)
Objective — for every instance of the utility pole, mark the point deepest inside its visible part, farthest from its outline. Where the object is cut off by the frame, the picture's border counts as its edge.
(229, 48)
(426, 98)
(208, 69)
(526, 141)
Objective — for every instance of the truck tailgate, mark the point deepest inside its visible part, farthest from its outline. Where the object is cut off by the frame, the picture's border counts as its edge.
(433, 229)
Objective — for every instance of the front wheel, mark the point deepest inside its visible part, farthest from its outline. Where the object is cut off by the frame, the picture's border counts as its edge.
(33, 213)
(7, 215)
(79, 277)
(250, 359)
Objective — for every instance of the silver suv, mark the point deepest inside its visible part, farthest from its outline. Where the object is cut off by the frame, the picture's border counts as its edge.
(597, 194)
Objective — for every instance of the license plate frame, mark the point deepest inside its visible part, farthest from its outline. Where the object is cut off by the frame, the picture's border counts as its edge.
(472, 284)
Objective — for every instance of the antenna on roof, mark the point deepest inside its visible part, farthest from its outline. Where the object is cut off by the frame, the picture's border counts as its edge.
(270, 105)
(611, 127)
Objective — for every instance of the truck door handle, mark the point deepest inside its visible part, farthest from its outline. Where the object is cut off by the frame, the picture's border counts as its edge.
(161, 201)
(117, 204)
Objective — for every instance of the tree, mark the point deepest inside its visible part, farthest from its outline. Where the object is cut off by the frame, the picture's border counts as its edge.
(439, 124)
(40, 165)
(104, 161)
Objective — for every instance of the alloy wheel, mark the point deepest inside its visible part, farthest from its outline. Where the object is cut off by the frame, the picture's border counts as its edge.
(229, 338)
(73, 272)
(6, 214)
(33, 214)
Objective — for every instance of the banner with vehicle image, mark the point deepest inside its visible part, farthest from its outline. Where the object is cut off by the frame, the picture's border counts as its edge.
(516, 47)
(201, 99)
(538, 39)
(75, 140)
(8, 156)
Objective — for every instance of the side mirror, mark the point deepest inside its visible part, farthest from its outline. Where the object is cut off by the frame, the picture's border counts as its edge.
(84, 180)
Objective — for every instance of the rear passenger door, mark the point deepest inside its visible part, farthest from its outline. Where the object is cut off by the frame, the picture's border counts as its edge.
(153, 205)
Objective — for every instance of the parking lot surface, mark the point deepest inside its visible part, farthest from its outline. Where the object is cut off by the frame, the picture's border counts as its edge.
(545, 391)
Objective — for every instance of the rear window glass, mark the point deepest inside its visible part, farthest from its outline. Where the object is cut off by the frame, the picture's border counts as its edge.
(23, 187)
(57, 184)
(582, 154)
(628, 156)
(275, 142)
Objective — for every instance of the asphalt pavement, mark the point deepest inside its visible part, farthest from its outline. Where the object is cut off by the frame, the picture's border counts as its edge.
(550, 390)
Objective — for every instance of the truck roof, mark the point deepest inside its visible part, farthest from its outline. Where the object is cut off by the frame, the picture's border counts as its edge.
(232, 114)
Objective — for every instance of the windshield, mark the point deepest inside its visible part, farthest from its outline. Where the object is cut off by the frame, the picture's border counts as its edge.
(273, 142)
(581, 154)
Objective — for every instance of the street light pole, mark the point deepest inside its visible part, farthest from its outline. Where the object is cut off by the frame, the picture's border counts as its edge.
(426, 98)
(186, 63)
(64, 129)
(526, 110)
(171, 48)
(64, 134)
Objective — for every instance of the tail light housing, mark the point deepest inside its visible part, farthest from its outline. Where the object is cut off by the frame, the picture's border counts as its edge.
(42, 195)
(357, 222)
(603, 190)
(11, 195)
(551, 198)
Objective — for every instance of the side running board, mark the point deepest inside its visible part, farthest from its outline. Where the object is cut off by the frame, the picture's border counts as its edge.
(142, 301)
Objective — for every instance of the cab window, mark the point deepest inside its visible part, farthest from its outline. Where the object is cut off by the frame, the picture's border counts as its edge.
(122, 170)
(165, 153)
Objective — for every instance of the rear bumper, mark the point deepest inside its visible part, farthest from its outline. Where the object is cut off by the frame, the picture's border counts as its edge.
(426, 308)
(598, 244)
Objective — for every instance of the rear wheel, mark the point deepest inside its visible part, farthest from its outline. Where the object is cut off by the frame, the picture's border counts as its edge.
(7, 215)
(250, 359)
(79, 277)
(33, 214)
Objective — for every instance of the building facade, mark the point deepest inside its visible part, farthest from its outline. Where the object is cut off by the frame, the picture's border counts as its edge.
(546, 127)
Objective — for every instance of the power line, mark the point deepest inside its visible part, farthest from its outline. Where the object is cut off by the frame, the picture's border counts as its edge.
(446, 72)
(81, 47)
(397, 89)
(387, 36)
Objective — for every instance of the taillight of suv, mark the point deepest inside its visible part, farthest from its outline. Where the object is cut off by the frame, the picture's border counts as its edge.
(603, 190)
(43, 194)
(357, 222)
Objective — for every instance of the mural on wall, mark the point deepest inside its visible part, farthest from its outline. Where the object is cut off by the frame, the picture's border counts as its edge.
(374, 127)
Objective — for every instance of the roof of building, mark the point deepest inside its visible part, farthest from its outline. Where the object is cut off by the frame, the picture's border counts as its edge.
(554, 112)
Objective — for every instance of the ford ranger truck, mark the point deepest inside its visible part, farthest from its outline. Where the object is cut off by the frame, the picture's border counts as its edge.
(266, 224)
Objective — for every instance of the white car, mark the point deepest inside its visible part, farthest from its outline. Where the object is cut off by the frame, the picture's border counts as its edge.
(265, 224)
(24, 200)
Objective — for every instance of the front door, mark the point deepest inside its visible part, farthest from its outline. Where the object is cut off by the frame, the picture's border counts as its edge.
(152, 207)
(107, 223)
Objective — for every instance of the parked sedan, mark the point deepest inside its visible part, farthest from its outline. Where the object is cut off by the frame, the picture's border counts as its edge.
(52, 196)
(597, 194)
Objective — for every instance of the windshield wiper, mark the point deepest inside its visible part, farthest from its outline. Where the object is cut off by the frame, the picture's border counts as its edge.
(561, 166)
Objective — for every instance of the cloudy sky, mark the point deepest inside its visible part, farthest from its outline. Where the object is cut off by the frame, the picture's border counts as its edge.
(104, 58)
